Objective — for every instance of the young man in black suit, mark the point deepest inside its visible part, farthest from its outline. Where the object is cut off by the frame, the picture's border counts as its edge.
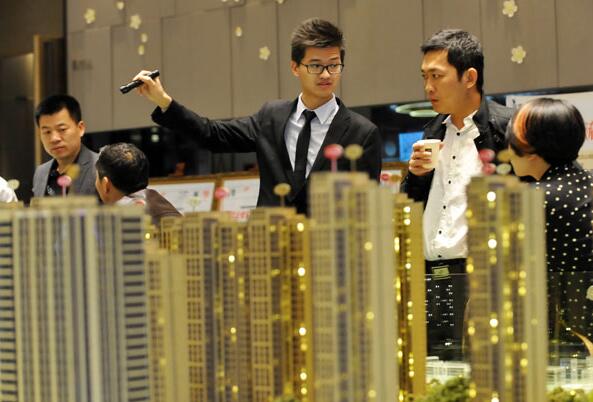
(287, 136)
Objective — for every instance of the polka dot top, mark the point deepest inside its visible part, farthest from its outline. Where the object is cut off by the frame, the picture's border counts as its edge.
(569, 233)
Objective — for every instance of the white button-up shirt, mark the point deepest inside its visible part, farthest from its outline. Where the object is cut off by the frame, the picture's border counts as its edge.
(6, 193)
(444, 222)
(319, 127)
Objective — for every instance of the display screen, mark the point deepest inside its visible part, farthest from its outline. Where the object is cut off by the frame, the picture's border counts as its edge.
(406, 141)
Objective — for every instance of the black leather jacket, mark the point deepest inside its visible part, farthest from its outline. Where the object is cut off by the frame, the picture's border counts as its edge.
(491, 120)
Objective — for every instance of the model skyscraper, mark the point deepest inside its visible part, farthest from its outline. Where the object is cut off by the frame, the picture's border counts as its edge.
(354, 331)
(507, 325)
(410, 296)
(74, 279)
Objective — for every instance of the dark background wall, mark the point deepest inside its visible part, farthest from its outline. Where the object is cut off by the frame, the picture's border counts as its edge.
(19, 21)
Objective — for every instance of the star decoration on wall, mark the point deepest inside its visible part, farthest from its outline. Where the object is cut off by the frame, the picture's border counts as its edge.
(90, 15)
(141, 50)
(518, 54)
(120, 5)
(144, 38)
(238, 32)
(264, 53)
(135, 21)
(280, 1)
(509, 8)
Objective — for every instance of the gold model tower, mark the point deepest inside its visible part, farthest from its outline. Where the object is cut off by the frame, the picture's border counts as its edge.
(507, 324)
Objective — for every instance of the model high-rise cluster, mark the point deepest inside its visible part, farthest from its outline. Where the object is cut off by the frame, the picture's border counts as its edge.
(283, 306)
(354, 328)
(239, 291)
(74, 325)
(507, 324)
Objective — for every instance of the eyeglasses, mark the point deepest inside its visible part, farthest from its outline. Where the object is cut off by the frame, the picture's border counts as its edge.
(318, 68)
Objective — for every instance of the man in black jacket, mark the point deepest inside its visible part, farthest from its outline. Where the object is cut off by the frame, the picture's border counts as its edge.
(452, 68)
(287, 136)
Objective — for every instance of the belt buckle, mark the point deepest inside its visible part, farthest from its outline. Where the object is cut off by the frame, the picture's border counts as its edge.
(440, 272)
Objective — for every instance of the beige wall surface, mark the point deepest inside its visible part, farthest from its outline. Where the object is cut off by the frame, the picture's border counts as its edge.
(209, 51)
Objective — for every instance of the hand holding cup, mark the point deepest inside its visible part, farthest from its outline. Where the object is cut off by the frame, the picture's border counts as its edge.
(425, 156)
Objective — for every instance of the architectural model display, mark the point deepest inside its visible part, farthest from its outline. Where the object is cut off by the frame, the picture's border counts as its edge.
(74, 324)
(507, 315)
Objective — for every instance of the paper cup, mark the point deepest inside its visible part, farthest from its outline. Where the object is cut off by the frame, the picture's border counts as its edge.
(432, 146)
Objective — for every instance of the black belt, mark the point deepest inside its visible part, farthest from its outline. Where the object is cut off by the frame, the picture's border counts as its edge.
(441, 269)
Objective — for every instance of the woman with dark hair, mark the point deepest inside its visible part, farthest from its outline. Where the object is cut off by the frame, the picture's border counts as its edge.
(545, 136)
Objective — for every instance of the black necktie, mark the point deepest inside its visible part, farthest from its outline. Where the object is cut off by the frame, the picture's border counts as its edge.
(302, 150)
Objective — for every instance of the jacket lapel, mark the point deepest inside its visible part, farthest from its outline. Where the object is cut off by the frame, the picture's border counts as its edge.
(482, 122)
(42, 178)
(281, 117)
(84, 159)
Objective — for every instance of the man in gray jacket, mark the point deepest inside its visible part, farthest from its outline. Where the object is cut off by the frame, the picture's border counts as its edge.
(60, 129)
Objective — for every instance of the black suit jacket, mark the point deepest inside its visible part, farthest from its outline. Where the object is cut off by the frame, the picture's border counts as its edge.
(491, 119)
(263, 133)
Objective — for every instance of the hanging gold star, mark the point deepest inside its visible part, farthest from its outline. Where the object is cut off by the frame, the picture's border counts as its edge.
(90, 16)
(518, 54)
(120, 5)
(509, 8)
(264, 53)
(135, 21)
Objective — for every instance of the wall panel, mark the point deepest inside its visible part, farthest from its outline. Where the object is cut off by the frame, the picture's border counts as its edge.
(131, 110)
(184, 7)
(90, 78)
(534, 28)
(383, 62)
(255, 81)
(575, 50)
(106, 14)
(197, 62)
(441, 14)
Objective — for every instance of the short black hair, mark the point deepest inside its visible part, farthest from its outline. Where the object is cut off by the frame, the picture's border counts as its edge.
(125, 165)
(464, 51)
(54, 103)
(551, 128)
(315, 32)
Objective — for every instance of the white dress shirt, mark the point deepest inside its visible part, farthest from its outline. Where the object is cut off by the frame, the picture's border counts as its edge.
(137, 198)
(319, 125)
(6, 193)
(444, 222)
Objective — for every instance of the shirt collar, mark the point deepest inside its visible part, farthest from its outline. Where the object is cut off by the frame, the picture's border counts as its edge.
(54, 164)
(468, 121)
(137, 198)
(323, 112)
